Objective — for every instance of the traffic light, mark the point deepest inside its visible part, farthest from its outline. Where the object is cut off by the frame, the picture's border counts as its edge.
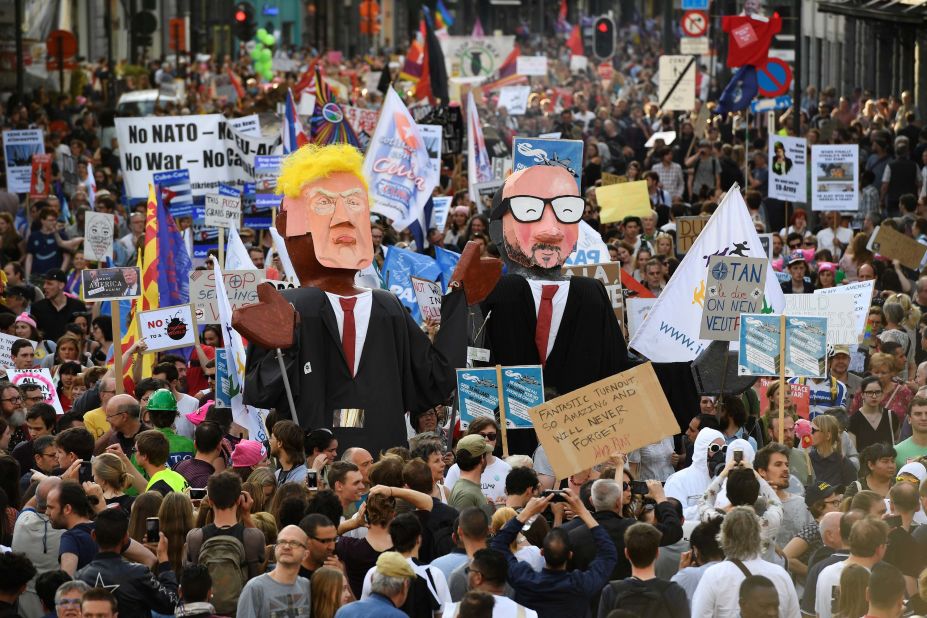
(245, 24)
(603, 38)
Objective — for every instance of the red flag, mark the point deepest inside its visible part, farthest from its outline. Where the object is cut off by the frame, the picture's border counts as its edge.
(306, 80)
(236, 83)
(562, 15)
(630, 283)
(575, 42)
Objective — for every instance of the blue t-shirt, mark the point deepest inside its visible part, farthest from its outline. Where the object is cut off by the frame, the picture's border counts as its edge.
(46, 254)
(79, 542)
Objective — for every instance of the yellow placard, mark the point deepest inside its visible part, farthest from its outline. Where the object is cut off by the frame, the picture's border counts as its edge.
(623, 200)
(612, 179)
(618, 414)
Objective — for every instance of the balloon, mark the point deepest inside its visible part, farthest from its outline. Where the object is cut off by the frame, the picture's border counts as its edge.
(265, 54)
(270, 40)
(255, 54)
(261, 33)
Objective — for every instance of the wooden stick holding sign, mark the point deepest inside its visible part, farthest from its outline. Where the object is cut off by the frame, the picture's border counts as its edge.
(117, 347)
(502, 423)
(782, 379)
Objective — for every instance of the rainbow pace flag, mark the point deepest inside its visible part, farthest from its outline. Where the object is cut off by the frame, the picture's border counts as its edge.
(328, 124)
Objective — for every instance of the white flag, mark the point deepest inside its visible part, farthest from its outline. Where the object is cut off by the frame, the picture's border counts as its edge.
(479, 167)
(280, 246)
(670, 332)
(246, 416)
(236, 255)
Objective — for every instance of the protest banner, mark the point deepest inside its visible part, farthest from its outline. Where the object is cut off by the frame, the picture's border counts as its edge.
(590, 248)
(687, 230)
(168, 328)
(211, 148)
(567, 153)
(225, 385)
(42, 377)
(578, 64)
(787, 168)
(176, 192)
(667, 137)
(431, 137)
(798, 394)
(110, 283)
(69, 173)
(41, 179)
(861, 291)
(735, 285)
(440, 211)
(531, 65)
(835, 177)
(612, 179)
(19, 146)
(465, 56)
(6, 345)
(514, 99)
(637, 310)
(609, 273)
(399, 171)
(223, 211)
(258, 213)
(585, 427)
(98, 236)
(894, 245)
(240, 286)
(670, 333)
(398, 269)
(622, 200)
(839, 309)
(763, 346)
(485, 192)
(361, 119)
(428, 296)
(266, 170)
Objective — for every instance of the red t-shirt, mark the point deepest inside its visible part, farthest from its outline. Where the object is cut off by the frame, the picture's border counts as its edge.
(749, 39)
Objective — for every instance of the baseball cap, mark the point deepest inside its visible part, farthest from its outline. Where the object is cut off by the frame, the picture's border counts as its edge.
(474, 444)
(56, 274)
(248, 453)
(795, 257)
(818, 492)
(392, 564)
(840, 349)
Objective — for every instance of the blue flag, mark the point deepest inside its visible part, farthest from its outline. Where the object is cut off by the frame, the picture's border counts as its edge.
(739, 92)
(398, 268)
(447, 262)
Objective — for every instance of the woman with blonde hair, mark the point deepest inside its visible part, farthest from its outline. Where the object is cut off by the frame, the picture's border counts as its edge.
(146, 505)
(329, 592)
(176, 517)
(852, 602)
(826, 454)
(522, 548)
(896, 397)
(663, 245)
(109, 472)
(261, 478)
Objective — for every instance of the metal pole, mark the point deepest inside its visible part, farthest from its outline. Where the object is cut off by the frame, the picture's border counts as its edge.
(796, 70)
(668, 17)
(20, 62)
(286, 386)
(108, 21)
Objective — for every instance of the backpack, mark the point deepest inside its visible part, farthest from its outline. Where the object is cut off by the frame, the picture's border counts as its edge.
(223, 555)
(641, 601)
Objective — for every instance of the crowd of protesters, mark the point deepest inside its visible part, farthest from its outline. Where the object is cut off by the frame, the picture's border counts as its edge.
(154, 502)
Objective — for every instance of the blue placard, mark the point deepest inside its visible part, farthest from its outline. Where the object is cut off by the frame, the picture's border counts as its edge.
(256, 211)
(767, 105)
(224, 385)
(805, 346)
(759, 345)
(477, 394)
(565, 153)
(205, 238)
(176, 192)
(228, 190)
(695, 5)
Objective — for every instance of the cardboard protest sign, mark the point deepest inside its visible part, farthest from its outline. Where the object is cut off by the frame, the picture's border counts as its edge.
(19, 146)
(42, 377)
(531, 151)
(609, 273)
(735, 285)
(622, 200)
(687, 230)
(240, 285)
(612, 179)
(839, 309)
(465, 56)
(428, 296)
(583, 428)
(861, 291)
(531, 65)
(223, 211)
(798, 394)
(834, 177)
(805, 346)
(98, 236)
(514, 99)
(478, 394)
(41, 180)
(637, 310)
(111, 283)
(6, 346)
(787, 168)
(168, 328)
(897, 246)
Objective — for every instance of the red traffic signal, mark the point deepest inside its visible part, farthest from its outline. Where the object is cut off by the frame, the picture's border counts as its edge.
(241, 16)
(603, 38)
(245, 24)
(603, 27)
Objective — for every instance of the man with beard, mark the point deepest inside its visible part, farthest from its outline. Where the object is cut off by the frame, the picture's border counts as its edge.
(772, 464)
(11, 405)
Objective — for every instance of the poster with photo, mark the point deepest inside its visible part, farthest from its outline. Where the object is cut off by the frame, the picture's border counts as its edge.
(788, 168)
(18, 148)
(835, 177)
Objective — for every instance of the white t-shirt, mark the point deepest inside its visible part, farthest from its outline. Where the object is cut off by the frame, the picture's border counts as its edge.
(492, 481)
(503, 607)
(828, 579)
(182, 425)
(717, 591)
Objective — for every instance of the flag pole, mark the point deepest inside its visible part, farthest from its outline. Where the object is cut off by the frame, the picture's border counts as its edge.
(781, 378)
(117, 349)
(222, 247)
(502, 423)
(286, 386)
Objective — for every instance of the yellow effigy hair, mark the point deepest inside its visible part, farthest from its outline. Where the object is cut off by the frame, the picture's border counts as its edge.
(312, 162)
